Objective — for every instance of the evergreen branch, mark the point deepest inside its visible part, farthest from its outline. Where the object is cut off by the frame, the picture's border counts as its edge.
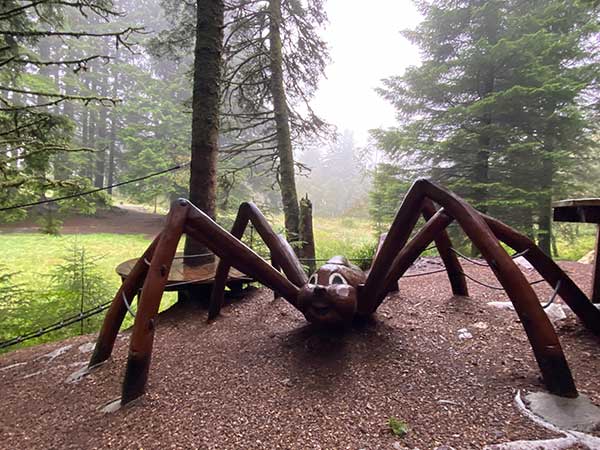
(77, 34)
(81, 5)
(106, 101)
(79, 62)
(18, 128)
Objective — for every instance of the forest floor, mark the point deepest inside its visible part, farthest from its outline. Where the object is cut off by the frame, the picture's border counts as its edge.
(125, 219)
(260, 377)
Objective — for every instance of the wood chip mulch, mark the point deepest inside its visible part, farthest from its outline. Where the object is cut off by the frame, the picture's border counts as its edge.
(260, 377)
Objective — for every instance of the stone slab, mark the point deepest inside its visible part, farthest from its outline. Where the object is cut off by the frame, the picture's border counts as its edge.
(578, 414)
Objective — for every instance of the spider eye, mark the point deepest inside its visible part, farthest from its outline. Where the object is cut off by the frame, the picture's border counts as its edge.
(313, 279)
(336, 278)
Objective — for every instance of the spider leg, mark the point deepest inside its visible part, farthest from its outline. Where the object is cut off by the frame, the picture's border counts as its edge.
(116, 313)
(398, 234)
(410, 252)
(458, 281)
(237, 254)
(282, 254)
(542, 337)
(550, 271)
(185, 217)
(443, 243)
(142, 337)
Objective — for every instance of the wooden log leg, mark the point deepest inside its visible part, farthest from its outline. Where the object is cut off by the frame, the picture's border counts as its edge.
(398, 234)
(142, 338)
(382, 237)
(550, 271)
(596, 281)
(236, 253)
(542, 337)
(277, 267)
(457, 278)
(411, 251)
(281, 253)
(116, 313)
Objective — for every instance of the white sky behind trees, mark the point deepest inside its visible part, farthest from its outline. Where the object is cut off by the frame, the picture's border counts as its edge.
(365, 46)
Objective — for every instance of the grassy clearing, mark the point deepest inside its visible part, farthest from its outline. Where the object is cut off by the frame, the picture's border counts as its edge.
(343, 236)
(32, 258)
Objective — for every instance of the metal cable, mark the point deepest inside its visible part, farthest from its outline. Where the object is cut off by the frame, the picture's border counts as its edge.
(498, 288)
(93, 191)
(554, 294)
(127, 305)
(483, 264)
(327, 259)
(199, 255)
(183, 283)
(421, 274)
(55, 326)
(471, 260)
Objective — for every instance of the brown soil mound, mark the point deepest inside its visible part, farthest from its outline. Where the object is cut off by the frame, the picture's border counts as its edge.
(260, 377)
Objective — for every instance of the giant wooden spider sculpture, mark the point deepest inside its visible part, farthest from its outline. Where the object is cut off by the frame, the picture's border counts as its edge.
(337, 293)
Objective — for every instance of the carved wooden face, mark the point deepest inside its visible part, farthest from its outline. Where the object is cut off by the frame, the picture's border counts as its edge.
(329, 298)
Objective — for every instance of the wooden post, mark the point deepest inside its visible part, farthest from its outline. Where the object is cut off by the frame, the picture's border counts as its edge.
(596, 281)
(307, 237)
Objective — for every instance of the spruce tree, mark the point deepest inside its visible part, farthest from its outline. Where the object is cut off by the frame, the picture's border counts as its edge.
(498, 109)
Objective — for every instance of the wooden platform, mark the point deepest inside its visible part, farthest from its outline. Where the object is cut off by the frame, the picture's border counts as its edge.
(586, 210)
(203, 274)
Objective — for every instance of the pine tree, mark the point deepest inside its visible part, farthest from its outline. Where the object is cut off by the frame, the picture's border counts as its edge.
(497, 110)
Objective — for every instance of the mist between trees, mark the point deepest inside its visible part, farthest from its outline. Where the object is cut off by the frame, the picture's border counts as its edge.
(503, 108)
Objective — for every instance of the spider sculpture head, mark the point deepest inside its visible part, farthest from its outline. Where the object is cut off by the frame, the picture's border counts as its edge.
(330, 297)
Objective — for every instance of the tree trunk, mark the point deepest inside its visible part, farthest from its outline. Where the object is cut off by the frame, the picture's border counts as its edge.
(101, 145)
(287, 181)
(112, 149)
(91, 135)
(205, 113)
(545, 205)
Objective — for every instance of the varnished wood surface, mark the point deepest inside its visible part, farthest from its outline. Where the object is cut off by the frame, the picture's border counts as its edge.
(202, 274)
(585, 210)
(577, 202)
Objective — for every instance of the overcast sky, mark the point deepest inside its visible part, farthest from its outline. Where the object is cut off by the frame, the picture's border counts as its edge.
(365, 46)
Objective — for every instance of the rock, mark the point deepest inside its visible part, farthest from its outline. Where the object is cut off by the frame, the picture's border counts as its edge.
(56, 353)
(480, 325)
(87, 347)
(112, 407)
(523, 263)
(555, 313)
(399, 446)
(578, 414)
(502, 305)
(588, 258)
(463, 333)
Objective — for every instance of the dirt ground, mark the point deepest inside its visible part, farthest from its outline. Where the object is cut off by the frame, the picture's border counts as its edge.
(119, 220)
(260, 377)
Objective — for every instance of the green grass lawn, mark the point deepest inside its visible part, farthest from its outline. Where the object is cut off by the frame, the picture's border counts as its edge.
(32, 257)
